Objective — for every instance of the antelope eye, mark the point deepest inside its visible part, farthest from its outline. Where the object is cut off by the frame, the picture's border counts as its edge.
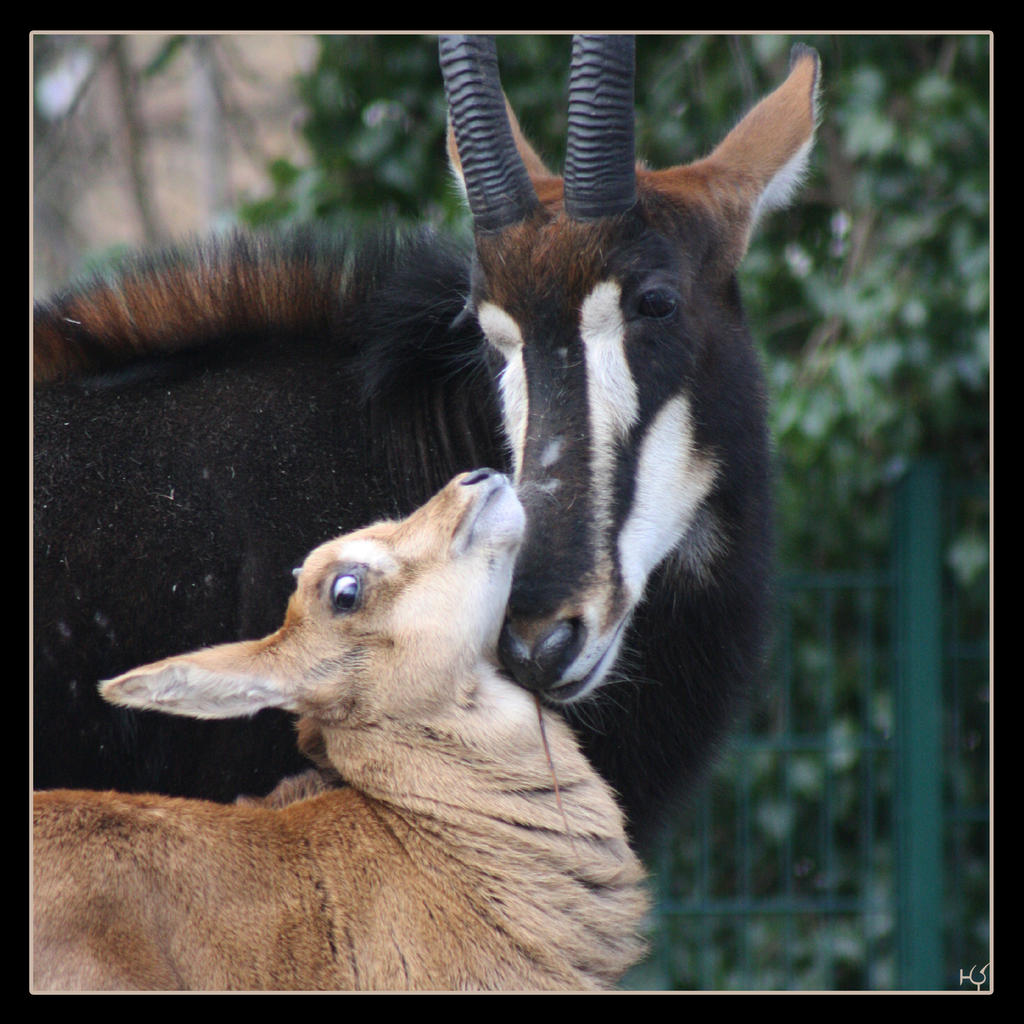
(345, 592)
(656, 303)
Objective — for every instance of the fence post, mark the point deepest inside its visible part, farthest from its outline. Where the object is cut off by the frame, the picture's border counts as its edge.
(919, 832)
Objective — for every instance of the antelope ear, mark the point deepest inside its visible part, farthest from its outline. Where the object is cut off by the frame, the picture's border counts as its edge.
(228, 681)
(762, 162)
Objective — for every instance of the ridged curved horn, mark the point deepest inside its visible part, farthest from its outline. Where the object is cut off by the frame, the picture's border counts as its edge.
(600, 163)
(498, 187)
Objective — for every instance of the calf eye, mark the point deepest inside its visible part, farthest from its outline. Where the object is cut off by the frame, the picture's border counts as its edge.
(345, 591)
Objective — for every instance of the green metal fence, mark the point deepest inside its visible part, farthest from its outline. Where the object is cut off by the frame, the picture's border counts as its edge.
(843, 843)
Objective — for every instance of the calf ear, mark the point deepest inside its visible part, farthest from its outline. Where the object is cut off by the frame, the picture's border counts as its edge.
(761, 163)
(228, 681)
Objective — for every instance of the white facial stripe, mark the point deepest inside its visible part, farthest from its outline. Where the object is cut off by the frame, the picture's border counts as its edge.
(611, 391)
(610, 385)
(504, 334)
(515, 404)
(501, 330)
(672, 479)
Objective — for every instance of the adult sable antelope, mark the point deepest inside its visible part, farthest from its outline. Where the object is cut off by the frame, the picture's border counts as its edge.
(206, 416)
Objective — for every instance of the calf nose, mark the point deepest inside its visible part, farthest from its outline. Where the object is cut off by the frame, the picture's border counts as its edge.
(542, 664)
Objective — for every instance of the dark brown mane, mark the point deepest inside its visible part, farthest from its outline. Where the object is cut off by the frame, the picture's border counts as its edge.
(182, 298)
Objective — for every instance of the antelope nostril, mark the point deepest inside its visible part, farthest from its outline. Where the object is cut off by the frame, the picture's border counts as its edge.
(541, 666)
(512, 650)
(553, 644)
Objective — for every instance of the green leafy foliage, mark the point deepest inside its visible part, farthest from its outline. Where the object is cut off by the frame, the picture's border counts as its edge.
(375, 122)
(889, 264)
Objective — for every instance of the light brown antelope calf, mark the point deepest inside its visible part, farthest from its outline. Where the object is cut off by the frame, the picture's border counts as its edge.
(447, 861)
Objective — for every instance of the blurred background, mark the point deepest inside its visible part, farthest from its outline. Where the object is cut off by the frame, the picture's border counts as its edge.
(843, 841)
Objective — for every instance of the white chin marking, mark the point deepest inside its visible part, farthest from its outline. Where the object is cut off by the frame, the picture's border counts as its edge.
(590, 669)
